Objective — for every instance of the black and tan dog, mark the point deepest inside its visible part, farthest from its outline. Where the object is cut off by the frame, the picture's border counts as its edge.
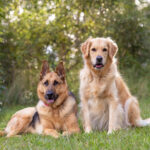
(55, 111)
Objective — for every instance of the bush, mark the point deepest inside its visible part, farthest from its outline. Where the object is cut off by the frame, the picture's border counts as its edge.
(32, 31)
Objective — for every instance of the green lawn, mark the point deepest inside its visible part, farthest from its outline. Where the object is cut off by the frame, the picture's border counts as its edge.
(129, 139)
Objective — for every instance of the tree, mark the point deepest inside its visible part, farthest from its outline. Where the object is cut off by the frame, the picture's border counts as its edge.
(32, 31)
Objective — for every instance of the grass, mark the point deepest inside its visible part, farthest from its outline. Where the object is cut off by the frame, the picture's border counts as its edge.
(127, 139)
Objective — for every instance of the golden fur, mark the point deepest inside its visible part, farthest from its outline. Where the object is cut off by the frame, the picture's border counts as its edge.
(106, 102)
(50, 115)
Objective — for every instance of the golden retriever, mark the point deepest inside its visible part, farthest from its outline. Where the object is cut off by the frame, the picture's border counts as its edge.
(106, 102)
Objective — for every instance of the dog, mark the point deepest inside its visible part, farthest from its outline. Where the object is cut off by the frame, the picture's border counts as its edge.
(106, 102)
(55, 111)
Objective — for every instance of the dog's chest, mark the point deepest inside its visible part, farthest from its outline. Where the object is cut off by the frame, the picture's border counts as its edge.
(98, 113)
(97, 88)
(55, 118)
(52, 119)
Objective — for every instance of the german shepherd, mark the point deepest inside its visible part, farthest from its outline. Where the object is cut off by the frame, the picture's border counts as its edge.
(55, 111)
(107, 103)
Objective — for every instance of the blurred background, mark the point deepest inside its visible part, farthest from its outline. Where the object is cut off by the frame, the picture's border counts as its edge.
(35, 30)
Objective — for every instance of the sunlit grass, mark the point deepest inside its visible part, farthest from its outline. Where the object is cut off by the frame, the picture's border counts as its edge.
(127, 139)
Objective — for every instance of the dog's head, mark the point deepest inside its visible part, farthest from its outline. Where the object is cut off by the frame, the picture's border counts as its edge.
(52, 84)
(98, 52)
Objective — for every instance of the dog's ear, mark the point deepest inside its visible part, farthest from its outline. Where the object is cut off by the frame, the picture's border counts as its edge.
(85, 47)
(60, 70)
(113, 48)
(45, 69)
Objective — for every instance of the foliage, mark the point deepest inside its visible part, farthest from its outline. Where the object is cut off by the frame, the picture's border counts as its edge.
(31, 31)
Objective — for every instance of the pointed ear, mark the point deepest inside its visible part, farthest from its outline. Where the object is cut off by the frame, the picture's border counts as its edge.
(45, 69)
(113, 48)
(60, 70)
(85, 47)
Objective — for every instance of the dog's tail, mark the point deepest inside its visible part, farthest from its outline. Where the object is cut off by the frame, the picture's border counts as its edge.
(133, 113)
(2, 133)
(143, 122)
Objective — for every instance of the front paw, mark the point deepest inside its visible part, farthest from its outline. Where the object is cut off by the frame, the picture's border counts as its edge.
(66, 133)
(88, 130)
(109, 132)
(56, 135)
(112, 130)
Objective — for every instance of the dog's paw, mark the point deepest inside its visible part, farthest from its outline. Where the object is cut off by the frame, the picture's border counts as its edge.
(56, 136)
(88, 130)
(109, 132)
(66, 133)
(11, 135)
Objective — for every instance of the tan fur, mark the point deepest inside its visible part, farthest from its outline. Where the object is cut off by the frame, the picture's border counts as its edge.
(60, 115)
(19, 121)
(2, 133)
(105, 99)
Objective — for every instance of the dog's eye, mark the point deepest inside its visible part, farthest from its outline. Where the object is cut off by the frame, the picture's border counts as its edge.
(93, 49)
(46, 83)
(104, 49)
(55, 82)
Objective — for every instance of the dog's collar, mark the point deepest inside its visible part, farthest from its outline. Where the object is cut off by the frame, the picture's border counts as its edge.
(41, 103)
(46, 104)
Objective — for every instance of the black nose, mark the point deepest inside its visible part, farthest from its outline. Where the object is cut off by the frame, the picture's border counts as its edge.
(49, 94)
(99, 59)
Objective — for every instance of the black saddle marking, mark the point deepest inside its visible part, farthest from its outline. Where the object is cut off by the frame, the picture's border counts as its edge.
(35, 118)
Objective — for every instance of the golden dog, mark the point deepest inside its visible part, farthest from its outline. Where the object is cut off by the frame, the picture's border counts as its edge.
(55, 111)
(106, 101)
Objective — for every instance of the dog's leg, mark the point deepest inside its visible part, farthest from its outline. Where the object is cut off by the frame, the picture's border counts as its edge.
(12, 134)
(71, 125)
(86, 117)
(17, 125)
(51, 132)
(116, 116)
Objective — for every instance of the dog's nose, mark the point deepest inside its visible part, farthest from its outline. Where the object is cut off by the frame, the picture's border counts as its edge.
(50, 94)
(99, 59)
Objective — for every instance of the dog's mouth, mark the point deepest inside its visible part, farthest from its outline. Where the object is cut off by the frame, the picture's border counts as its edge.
(98, 66)
(52, 100)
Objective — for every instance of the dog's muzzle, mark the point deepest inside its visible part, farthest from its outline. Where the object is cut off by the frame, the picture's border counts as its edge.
(99, 62)
(50, 96)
